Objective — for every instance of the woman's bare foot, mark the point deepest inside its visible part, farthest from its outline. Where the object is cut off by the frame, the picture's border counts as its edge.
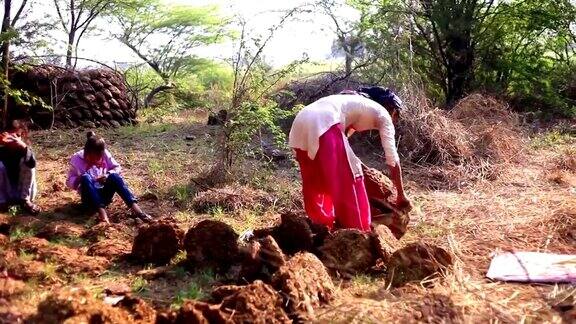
(103, 216)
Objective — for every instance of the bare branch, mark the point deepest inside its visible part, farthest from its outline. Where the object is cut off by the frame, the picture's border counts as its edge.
(18, 13)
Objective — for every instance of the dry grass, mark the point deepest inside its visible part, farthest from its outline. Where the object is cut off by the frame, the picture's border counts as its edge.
(452, 149)
(231, 198)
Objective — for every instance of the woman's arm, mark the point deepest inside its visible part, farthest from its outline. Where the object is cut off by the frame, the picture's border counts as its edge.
(387, 133)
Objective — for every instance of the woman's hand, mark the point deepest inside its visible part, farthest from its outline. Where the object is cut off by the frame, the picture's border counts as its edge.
(403, 203)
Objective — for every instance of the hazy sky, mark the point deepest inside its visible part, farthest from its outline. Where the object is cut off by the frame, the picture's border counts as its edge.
(312, 36)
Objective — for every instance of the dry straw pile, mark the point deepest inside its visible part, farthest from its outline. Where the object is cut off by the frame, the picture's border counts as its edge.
(470, 142)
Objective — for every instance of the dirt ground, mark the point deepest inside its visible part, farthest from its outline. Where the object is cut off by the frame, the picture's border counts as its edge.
(531, 206)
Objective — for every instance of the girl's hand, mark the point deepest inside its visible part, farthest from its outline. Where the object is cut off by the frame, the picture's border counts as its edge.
(13, 141)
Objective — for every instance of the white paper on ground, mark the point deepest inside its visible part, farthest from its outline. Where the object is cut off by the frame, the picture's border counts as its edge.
(533, 267)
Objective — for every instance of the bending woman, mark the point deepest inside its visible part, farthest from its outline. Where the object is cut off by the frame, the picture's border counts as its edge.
(332, 178)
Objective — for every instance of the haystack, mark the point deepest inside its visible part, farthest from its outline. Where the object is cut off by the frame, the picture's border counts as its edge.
(230, 198)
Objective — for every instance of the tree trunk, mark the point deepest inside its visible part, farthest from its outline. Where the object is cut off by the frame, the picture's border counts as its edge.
(69, 49)
(348, 63)
(460, 57)
(6, 60)
(156, 91)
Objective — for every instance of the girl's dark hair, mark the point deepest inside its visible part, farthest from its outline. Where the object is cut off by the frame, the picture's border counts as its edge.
(19, 126)
(94, 144)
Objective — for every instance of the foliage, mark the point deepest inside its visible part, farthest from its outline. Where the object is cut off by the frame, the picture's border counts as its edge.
(463, 46)
(77, 17)
(164, 37)
(205, 84)
(29, 31)
(252, 109)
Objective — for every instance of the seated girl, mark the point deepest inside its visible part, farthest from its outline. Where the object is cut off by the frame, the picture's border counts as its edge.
(96, 176)
(17, 169)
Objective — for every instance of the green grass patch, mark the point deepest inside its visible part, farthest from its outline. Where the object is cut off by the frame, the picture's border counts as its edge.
(182, 194)
(71, 242)
(139, 285)
(193, 291)
(20, 233)
(552, 139)
(198, 287)
(25, 256)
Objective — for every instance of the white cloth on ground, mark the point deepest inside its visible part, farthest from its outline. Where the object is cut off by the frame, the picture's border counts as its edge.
(533, 267)
(354, 111)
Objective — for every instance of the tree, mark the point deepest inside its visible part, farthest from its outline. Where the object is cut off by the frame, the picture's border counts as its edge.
(459, 45)
(6, 25)
(77, 18)
(165, 37)
(349, 40)
(252, 109)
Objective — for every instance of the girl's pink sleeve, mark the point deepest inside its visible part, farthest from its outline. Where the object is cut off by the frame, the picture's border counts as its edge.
(111, 163)
(74, 173)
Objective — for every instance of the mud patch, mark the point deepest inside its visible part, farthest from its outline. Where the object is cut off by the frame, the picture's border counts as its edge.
(350, 251)
(18, 268)
(26, 270)
(304, 285)
(4, 240)
(69, 260)
(10, 287)
(111, 249)
(158, 242)
(254, 303)
(416, 262)
(61, 229)
(78, 306)
(26, 223)
(230, 199)
(11, 317)
(4, 225)
(377, 184)
(193, 311)
(262, 258)
(212, 244)
(103, 231)
(138, 309)
(379, 189)
(437, 309)
(296, 233)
